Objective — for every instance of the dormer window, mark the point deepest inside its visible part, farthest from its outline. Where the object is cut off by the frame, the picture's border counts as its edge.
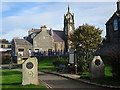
(115, 25)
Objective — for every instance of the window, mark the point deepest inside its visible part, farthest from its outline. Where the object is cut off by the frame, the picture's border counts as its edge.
(21, 50)
(9, 46)
(29, 51)
(66, 31)
(115, 24)
(1, 46)
(70, 29)
(36, 50)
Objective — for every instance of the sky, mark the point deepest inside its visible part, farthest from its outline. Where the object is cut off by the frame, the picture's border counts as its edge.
(19, 17)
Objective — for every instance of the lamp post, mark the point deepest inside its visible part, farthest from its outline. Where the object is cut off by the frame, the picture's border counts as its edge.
(75, 61)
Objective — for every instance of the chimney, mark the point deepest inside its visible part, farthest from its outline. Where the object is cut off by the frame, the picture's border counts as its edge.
(51, 32)
(43, 28)
(118, 5)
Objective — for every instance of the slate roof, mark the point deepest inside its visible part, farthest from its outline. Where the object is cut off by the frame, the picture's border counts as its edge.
(57, 38)
(58, 35)
(36, 30)
(21, 42)
(115, 13)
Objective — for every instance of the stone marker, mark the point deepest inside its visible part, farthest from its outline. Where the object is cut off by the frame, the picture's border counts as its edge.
(97, 68)
(30, 71)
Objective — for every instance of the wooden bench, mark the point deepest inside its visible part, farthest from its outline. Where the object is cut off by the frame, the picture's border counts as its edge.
(60, 68)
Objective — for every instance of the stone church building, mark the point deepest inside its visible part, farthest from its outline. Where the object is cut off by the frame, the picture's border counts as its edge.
(46, 40)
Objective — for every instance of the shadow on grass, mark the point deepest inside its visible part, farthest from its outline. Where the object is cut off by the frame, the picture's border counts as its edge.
(4, 73)
(12, 84)
(108, 81)
(48, 69)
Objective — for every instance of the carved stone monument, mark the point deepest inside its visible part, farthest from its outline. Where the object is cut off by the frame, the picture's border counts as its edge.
(30, 72)
(97, 68)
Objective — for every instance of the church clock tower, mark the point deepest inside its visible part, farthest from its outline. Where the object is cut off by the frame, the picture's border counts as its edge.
(68, 28)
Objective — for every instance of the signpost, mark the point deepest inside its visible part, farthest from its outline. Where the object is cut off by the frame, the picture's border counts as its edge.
(72, 59)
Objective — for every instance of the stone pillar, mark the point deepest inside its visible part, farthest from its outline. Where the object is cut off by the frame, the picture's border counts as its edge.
(97, 68)
(30, 71)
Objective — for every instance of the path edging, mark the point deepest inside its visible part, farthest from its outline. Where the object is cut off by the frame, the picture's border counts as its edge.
(87, 82)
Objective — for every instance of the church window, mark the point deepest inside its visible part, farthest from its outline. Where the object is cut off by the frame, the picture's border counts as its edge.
(71, 29)
(115, 24)
(66, 31)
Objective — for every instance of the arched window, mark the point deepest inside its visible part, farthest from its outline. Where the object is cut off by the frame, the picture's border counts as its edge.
(115, 24)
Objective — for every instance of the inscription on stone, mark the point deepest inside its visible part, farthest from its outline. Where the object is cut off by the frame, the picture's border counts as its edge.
(30, 71)
(29, 65)
(97, 62)
(97, 68)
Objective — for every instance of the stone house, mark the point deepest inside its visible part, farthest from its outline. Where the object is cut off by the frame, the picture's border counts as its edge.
(112, 39)
(5, 47)
(21, 47)
(46, 40)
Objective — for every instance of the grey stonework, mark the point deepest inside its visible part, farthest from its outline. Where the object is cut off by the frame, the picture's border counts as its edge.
(21, 44)
(30, 72)
(112, 39)
(43, 41)
(68, 28)
(97, 68)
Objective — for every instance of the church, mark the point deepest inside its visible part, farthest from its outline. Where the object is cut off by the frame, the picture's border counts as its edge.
(45, 40)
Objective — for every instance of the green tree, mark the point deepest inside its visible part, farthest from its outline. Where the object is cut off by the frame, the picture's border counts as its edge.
(4, 41)
(86, 39)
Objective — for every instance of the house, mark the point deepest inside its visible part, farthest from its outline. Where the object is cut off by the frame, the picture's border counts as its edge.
(112, 39)
(5, 47)
(21, 47)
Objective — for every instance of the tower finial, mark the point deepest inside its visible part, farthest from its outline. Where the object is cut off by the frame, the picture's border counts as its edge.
(68, 9)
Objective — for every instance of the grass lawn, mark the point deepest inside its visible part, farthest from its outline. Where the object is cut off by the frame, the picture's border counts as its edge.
(47, 64)
(13, 79)
(107, 80)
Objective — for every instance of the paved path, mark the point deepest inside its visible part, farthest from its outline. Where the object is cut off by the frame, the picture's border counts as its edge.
(56, 82)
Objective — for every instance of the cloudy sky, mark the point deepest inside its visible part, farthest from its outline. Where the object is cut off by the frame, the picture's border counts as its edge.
(19, 17)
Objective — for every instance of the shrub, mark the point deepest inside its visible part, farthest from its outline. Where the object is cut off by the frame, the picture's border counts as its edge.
(114, 61)
(6, 58)
(60, 60)
(83, 64)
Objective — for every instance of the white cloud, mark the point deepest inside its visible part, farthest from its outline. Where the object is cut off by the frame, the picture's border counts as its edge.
(53, 17)
(14, 33)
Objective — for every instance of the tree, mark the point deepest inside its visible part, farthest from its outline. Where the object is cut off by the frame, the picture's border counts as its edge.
(4, 41)
(86, 39)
